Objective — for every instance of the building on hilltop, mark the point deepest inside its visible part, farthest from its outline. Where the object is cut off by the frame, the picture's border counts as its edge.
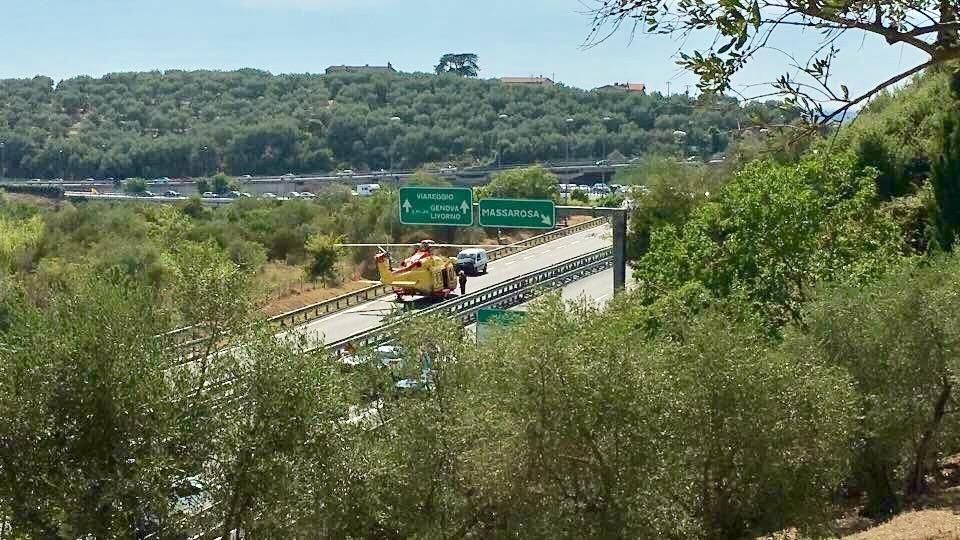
(631, 88)
(361, 69)
(526, 81)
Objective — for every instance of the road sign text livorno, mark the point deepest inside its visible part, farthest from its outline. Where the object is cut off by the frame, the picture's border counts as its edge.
(517, 213)
(436, 206)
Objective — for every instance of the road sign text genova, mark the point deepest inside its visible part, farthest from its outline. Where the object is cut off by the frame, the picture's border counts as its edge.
(436, 206)
(517, 213)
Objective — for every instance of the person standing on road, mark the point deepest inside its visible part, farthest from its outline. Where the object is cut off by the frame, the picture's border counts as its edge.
(462, 277)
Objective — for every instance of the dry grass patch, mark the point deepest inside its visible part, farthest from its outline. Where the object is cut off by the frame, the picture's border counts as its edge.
(922, 525)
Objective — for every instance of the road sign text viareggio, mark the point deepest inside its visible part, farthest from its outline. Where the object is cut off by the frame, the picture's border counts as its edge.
(436, 206)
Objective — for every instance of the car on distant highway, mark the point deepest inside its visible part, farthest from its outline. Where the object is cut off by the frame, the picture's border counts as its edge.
(307, 195)
(89, 179)
(237, 194)
(601, 189)
(381, 172)
(209, 195)
(603, 163)
(473, 261)
(171, 193)
(293, 195)
(366, 190)
(345, 172)
(246, 178)
(449, 169)
(147, 193)
(268, 196)
(288, 176)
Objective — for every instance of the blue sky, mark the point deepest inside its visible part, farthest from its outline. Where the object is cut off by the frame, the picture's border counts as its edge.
(63, 38)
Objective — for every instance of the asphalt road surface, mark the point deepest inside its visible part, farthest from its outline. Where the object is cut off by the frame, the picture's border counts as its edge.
(370, 315)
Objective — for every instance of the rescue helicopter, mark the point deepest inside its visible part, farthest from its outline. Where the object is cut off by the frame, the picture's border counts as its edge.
(422, 273)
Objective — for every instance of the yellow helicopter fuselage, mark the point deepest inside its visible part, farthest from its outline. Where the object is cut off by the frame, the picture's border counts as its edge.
(423, 273)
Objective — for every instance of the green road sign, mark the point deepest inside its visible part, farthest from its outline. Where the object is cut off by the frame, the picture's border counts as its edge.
(436, 206)
(489, 318)
(517, 213)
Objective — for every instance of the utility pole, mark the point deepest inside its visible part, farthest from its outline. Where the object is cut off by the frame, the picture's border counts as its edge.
(569, 122)
(606, 133)
(500, 116)
(3, 160)
(668, 88)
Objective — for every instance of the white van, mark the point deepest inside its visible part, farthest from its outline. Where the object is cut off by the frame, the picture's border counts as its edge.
(473, 261)
(366, 190)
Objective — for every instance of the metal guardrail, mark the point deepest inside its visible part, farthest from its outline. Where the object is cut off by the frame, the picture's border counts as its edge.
(517, 247)
(503, 295)
(187, 336)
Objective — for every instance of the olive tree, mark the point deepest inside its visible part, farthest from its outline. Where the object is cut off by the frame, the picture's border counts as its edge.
(91, 427)
(273, 433)
(772, 233)
(742, 30)
(899, 339)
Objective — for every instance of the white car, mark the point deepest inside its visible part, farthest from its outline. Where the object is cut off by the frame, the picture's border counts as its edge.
(288, 176)
(307, 195)
(209, 195)
(268, 196)
(424, 382)
(345, 172)
(293, 195)
(449, 169)
(385, 357)
(601, 189)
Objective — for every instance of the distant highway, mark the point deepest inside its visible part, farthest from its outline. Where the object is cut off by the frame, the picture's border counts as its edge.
(370, 315)
(587, 172)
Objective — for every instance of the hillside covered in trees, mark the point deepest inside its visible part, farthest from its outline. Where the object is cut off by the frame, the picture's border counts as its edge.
(179, 123)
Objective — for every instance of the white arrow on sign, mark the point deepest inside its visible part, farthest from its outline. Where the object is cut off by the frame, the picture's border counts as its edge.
(464, 207)
(407, 206)
(546, 219)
